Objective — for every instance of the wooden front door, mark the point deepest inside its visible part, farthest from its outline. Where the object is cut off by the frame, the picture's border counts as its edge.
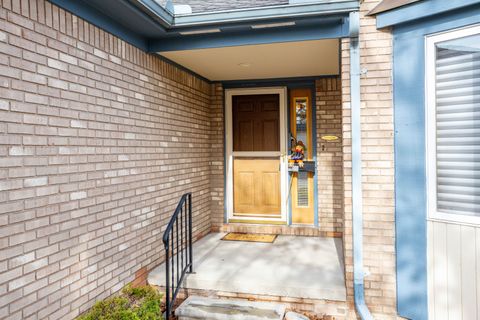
(256, 132)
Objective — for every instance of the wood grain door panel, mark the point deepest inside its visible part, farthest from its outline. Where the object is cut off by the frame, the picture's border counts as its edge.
(245, 188)
(244, 134)
(256, 185)
(256, 122)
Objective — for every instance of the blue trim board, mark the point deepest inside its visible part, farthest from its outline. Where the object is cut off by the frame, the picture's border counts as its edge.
(329, 29)
(443, 22)
(410, 188)
(289, 177)
(296, 82)
(410, 153)
(421, 10)
(314, 147)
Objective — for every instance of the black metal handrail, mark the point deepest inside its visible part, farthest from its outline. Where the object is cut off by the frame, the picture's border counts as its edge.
(177, 240)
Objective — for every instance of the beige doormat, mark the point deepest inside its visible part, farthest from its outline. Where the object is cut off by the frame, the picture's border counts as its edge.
(250, 237)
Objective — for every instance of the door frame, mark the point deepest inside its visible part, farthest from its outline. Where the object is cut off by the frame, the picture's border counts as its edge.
(229, 154)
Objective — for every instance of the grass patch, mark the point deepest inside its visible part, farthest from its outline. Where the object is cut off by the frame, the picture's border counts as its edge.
(141, 303)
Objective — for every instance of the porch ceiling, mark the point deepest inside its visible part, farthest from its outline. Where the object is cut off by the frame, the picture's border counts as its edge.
(263, 61)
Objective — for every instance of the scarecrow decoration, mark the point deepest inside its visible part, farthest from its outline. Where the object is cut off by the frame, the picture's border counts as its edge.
(297, 155)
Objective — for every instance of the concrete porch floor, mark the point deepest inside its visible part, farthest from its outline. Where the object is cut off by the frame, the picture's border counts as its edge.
(292, 266)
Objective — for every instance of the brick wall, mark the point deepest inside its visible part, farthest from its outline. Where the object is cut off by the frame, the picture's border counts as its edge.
(98, 140)
(329, 156)
(377, 165)
(217, 134)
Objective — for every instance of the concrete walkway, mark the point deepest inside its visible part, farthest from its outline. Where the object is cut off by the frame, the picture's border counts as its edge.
(292, 266)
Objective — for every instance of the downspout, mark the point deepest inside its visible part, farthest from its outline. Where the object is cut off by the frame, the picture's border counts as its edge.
(357, 212)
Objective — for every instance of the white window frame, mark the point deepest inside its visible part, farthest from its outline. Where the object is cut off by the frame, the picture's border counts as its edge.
(430, 124)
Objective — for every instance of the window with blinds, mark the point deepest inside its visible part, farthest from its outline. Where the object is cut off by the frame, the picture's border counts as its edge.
(454, 137)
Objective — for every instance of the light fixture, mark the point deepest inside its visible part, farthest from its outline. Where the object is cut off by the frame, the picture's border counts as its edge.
(244, 64)
(273, 25)
(204, 31)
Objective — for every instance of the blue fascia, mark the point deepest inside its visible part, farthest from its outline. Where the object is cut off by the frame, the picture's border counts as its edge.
(148, 26)
(420, 10)
(316, 221)
(329, 29)
(410, 154)
(294, 82)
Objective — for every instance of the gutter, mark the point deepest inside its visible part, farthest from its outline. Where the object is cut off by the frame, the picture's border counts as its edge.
(289, 11)
(155, 11)
(357, 212)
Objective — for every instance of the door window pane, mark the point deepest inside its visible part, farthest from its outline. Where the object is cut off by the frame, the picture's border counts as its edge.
(301, 105)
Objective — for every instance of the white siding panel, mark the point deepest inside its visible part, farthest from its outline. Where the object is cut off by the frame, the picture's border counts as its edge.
(440, 271)
(454, 247)
(454, 271)
(430, 271)
(477, 249)
(468, 272)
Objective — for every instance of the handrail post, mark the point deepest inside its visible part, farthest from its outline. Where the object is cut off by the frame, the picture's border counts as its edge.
(190, 231)
(167, 288)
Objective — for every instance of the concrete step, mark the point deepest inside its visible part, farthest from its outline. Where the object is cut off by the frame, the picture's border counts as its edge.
(215, 309)
(295, 316)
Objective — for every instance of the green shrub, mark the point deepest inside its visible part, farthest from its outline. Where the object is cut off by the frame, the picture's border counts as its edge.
(141, 303)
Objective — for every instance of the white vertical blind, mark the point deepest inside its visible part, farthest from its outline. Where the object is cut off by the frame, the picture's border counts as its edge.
(457, 99)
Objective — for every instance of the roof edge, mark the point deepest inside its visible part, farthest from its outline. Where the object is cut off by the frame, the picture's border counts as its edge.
(387, 5)
(171, 21)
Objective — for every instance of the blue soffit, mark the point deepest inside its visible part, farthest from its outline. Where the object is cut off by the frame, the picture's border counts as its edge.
(421, 10)
(150, 27)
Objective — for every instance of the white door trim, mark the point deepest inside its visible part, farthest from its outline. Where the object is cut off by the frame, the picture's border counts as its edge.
(229, 93)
